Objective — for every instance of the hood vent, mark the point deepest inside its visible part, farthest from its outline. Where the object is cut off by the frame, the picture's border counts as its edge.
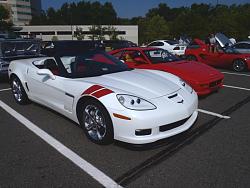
(173, 96)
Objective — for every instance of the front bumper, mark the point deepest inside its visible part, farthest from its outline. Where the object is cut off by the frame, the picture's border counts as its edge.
(157, 121)
(208, 87)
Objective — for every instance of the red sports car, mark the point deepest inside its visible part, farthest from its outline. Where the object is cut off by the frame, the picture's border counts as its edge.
(204, 79)
(220, 55)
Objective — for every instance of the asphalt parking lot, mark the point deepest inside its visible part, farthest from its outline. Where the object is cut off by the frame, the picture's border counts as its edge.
(215, 152)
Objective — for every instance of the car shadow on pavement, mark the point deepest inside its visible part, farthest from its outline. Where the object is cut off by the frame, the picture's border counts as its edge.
(4, 79)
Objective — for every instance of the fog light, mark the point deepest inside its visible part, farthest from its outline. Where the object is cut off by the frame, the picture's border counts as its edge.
(142, 132)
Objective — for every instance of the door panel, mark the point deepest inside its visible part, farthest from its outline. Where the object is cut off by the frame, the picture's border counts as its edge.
(49, 92)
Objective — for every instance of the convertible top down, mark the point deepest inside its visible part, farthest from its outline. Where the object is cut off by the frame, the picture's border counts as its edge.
(108, 99)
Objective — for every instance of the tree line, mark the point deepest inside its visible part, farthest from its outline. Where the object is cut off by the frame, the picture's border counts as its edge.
(4, 15)
(162, 22)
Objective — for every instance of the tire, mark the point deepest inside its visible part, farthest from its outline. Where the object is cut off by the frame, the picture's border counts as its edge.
(96, 122)
(18, 91)
(239, 65)
(191, 58)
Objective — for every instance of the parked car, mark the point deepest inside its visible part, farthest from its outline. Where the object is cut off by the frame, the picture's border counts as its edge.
(170, 45)
(51, 48)
(204, 79)
(224, 56)
(13, 49)
(108, 99)
(117, 44)
(242, 47)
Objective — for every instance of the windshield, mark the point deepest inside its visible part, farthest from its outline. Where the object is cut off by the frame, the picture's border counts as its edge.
(91, 64)
(160, 56)
(171, 42)
(19, 48)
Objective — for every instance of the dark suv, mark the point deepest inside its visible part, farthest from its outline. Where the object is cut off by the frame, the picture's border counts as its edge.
(51, 48)
(14, 49)
(117, 44)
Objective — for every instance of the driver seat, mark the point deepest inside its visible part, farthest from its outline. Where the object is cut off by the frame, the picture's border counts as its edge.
(52, 66)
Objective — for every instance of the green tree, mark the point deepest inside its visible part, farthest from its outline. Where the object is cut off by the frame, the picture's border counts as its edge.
(79, 34)
(152, 29)
(97, 32)
(54, 38)
(112, 33)
(4, 15)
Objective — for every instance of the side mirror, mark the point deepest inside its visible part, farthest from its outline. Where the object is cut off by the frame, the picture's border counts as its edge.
(46, 72)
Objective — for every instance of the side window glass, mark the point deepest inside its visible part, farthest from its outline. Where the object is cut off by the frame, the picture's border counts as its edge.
(52, 66)
(160, 44)
(118, 55)
(153, 44)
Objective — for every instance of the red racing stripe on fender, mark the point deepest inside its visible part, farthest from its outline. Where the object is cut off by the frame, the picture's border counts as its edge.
(91, 89)
(102, 93)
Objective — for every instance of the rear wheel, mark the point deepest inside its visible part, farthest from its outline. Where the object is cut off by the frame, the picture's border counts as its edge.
(18, 91)
(239, 65)
(191, 58)
(96, 122)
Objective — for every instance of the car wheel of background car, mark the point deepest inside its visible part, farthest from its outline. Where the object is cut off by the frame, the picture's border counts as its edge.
(18, 91)
(191, 58)
(96, 122)
(239, 65)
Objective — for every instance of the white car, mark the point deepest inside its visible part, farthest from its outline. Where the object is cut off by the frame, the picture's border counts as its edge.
(172, 46)
(109, 100)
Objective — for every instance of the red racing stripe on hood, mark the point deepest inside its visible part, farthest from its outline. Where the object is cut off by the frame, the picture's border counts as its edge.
(92, 89)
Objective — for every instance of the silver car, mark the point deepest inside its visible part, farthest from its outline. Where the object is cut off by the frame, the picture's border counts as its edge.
(242, 47)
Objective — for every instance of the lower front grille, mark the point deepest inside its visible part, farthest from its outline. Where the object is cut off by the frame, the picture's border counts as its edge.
(215, 83)
(167, 127)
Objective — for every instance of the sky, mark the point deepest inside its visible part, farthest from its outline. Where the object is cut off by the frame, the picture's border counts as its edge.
(132, 8)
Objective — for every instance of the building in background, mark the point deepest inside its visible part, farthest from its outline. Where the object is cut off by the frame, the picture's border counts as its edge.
(36, 7)
(21, 11)
(67, 32)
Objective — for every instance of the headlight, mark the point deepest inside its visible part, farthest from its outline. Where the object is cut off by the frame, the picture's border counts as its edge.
(247, 58)
(134, 103)
(186, 86)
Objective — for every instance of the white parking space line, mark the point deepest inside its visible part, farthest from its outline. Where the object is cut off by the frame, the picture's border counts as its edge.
(235, 87)
(238, 74)
(213, 114)
(76, 159)
(7, 89)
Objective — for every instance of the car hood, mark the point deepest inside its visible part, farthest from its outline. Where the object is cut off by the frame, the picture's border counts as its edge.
(137, 82)
(223, 40)
(190, 70)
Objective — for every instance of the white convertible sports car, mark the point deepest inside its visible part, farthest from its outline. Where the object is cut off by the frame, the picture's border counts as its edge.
(108, 100)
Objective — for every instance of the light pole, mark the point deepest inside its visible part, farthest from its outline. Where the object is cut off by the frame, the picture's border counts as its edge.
(71, 26)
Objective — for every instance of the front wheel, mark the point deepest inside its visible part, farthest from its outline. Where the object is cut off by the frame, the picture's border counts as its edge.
(18, 91)
(239, 65)
(96, 122)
